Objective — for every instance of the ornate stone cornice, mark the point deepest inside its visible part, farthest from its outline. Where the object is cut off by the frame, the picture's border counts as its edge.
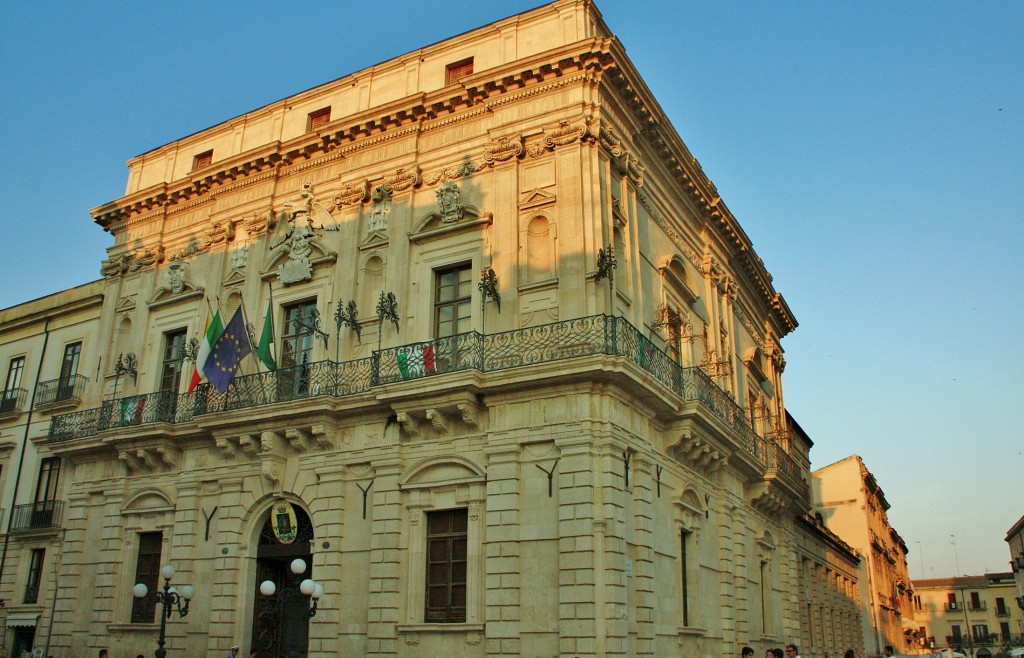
(404, 118)
(693, 183)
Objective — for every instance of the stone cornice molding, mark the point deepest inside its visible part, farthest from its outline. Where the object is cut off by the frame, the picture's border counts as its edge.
(404, 117)
(653, 126)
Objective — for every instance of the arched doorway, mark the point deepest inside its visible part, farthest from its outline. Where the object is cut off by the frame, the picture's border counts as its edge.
(280, 625)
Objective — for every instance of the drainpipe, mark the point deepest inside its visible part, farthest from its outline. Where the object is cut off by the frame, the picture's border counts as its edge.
(21, 459)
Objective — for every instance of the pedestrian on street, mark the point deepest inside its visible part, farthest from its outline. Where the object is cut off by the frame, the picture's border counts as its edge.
(747, 652)
(234, 651)
(792, 651)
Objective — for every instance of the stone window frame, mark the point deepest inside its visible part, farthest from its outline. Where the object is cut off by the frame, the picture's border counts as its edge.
(462, 485)
(318, 118)
(201, 160)
(456, 70)
(689, 513)
(137, 519)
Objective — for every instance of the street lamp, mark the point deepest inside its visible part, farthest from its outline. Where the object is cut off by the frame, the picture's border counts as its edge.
(307, 587)
(169, 598)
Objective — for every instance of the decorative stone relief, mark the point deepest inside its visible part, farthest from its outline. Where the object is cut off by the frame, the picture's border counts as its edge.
(625, 162)
(449, 199)
(379, 209)
(116, 266)
(239, 258)
(403, 179)
(568, 132)
(298, 267)
(176, 278)
(221, 232)
(504, 149)
(352, 194)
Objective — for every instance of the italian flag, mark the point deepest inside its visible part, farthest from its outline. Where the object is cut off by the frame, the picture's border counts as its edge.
(214, 328)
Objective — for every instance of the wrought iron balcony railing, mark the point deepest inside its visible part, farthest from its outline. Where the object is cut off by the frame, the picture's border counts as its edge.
(550, 343)
(38, 516)
(12, 400)
(59, 390)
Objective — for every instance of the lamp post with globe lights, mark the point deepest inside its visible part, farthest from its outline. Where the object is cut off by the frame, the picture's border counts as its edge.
(307, 587)
(170, 598)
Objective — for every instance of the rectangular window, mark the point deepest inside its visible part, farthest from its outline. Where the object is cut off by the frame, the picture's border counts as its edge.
(11, 389)
(1001, 607)
(453, 290)
(684, 567)
(318, 119)
(975, 601)
(297, 337)
(35, 575)
(46, 493)
(174, 356)
(980, 632)
(764, 598)
(957, 635)
(68, 371)
(951, 601)
(459, 69)
(147, 572)
(447, 538)
(49, 478)
(204, 159)
(296, 349)
(1004, 630)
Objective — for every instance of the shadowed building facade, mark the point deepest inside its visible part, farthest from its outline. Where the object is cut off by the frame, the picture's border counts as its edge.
(852, 505)
(527, 386)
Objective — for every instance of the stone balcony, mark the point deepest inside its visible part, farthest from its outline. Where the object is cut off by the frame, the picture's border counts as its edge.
(435, 382)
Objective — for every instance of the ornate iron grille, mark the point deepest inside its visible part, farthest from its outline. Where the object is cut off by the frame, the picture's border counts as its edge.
(549, 343)
(58, 390)
(432, 357)
(546, 343)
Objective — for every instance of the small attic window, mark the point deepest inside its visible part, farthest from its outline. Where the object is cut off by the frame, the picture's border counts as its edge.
(460, 69)
(319, 118)
(204, 159)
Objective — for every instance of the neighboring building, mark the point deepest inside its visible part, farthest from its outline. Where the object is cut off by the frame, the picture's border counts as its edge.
(969, 612)
(50, 352)
(526, 401)
(854, 507)
(1015, 540)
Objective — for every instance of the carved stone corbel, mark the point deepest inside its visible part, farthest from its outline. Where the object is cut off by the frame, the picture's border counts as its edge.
(130, 461)
(438, 420)
(226, 446)
(271, 442)
(147, 457)
(169, 455)
(323, 436)
(249, 444)
(470, 414)
(298, 439)
(409, 424)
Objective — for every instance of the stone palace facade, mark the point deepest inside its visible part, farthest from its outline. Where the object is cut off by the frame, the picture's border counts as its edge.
(527, 396)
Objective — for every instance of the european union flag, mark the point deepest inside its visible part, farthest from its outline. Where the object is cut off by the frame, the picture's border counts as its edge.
(227, 353)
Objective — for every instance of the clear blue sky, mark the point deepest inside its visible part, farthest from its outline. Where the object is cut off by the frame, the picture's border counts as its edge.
(873, 151)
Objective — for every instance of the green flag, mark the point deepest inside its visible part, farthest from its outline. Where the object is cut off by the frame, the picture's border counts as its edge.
(265, 351)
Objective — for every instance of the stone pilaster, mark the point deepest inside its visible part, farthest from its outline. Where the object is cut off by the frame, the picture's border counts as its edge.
(502, 571)
(384, 599)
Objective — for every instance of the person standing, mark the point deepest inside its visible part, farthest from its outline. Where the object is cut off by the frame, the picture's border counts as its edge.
(792, 651)
(747, 652)
(887, 651)
(234, 651)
